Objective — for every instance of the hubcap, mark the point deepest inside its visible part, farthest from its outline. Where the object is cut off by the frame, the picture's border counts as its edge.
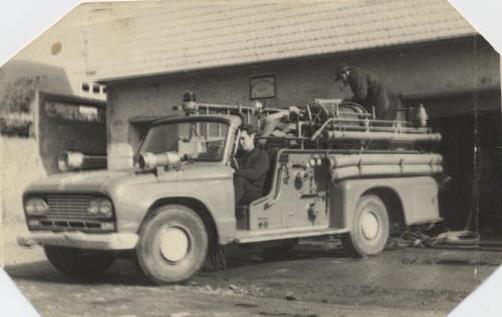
(174, 243)
(369, 225)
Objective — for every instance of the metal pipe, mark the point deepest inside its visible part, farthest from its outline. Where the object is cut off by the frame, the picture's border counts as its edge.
(384, 171)
(384, 159)
(383, 136)
(369, 127)
(318, 132)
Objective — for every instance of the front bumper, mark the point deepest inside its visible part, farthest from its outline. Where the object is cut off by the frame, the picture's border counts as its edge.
(107, 241)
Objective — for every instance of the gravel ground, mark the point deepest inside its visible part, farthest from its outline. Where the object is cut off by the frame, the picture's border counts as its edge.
(315, 279)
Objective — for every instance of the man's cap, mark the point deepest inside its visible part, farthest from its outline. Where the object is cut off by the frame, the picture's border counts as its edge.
(339, 69)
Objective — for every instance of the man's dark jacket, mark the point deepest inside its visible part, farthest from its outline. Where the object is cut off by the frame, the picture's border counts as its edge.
(369, 91)
(253, 167)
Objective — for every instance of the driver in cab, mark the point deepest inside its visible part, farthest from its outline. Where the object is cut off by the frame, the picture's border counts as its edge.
(251, 170)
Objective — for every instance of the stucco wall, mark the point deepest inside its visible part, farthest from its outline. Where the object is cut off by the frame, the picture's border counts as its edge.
(436, 69)
(23, 160)
(20, 165)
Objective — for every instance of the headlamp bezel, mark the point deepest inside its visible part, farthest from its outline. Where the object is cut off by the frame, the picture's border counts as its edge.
(100, 207)
(35, 206)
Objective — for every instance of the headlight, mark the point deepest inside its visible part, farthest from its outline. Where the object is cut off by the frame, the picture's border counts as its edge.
(93, 207)
(36, 206)
(101, 207)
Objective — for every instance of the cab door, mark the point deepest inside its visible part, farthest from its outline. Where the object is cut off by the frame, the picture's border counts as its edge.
(297, 199)
(304, 193)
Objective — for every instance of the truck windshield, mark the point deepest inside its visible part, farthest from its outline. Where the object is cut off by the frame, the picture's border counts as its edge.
(196, 140)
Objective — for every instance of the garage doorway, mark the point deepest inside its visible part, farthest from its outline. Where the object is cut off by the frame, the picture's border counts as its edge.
(472, 150)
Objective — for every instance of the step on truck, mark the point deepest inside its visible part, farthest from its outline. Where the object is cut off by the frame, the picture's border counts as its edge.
(335, 170)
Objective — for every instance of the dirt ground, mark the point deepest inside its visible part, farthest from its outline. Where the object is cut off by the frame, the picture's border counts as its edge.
(316, 279)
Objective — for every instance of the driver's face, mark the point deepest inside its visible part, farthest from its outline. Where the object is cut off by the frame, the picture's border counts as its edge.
(246, 141)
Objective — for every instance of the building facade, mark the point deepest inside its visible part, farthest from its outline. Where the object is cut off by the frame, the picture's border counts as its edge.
(423, 49)
(452, 72)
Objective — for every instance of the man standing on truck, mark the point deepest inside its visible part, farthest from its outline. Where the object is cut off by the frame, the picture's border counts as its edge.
(369, 91)
(253, 165)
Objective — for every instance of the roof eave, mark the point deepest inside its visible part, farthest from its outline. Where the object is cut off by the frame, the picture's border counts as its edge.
(108, 80)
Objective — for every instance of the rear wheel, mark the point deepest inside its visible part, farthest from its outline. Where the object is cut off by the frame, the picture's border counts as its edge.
(370, 228)
(78, 262)
(173, 244)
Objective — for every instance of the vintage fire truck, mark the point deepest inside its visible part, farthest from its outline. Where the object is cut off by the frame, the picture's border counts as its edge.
(335, 170)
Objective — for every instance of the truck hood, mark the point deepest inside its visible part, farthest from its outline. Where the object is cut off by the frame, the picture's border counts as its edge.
(94, 181)
(107, 180)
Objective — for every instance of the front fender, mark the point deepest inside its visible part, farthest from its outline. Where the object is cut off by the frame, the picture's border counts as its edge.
(216, 193)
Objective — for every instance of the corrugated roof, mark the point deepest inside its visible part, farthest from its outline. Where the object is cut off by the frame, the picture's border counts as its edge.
(168, 37)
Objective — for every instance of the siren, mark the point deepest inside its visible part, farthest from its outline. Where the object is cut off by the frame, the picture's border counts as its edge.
(71, 161)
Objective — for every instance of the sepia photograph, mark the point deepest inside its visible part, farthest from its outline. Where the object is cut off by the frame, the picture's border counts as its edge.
(237, 158)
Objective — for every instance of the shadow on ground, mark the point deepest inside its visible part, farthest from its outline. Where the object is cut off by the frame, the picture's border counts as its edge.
(124, 271)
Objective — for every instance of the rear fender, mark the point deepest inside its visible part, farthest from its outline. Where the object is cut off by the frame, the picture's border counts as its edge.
(409, 200)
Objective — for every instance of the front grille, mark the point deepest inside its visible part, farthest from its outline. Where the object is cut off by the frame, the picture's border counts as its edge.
(68, 212)
(65, 224)
(80, 225)
(68, 206)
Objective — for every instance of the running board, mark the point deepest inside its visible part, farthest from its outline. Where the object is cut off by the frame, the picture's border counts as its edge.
(246, 236)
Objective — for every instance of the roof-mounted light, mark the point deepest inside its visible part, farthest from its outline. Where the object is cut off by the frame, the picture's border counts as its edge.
(189, 102)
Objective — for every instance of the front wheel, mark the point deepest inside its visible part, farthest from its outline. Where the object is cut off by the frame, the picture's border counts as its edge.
(173, 244)
(370, 228)
(78, 262)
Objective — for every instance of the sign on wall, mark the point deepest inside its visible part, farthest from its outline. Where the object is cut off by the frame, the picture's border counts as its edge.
(262, 87)
(74, 112)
